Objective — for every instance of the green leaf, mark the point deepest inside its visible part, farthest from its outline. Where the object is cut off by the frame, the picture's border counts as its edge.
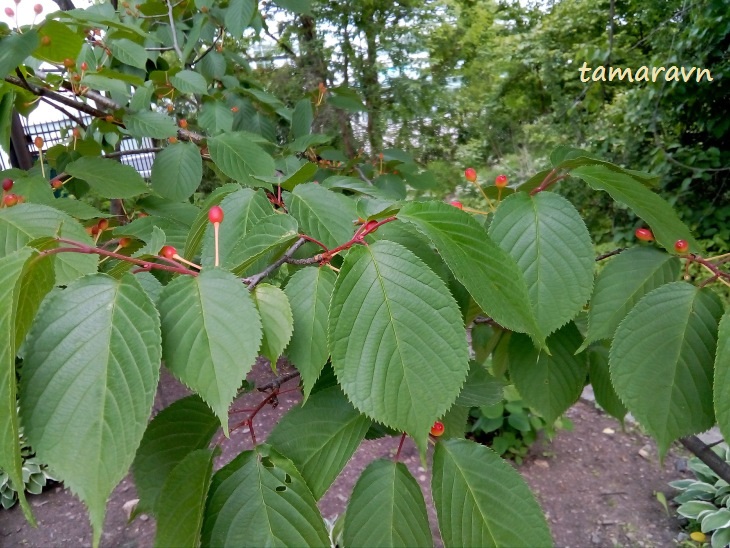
(146, 123)
(276, 320)
(387, 509)
(397, 340)
(154, 244)
(260, 499)
(24, 281)
(23, 223)
(300, 144)
(482, 501)
(89, 381)
(302, 118)
(300, 176)
(600, 377)
(480, 388)
(65, 43)
(240, 158)
(201, 223)
(622, 283)
(490, 275)
(178, 430)
(549, 383)
(722, 376)
(662, 358)
(547, 238)
(108, 178)
(211, 335)
(114, 85)
(320, 437)
(309, 291)
(177, 171)
(297, 6)
(323, 214)
(654, 210)
(238, 16)
(128, 52)
(243, 210)
(15, 48)
(264, 243)
(216, 117)
(182, 500)
(189, 82)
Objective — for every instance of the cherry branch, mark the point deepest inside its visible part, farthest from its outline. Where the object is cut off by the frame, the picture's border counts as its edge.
(610, 254)
(278, 381)
(550, 179)
(78, 247)
(253, 281)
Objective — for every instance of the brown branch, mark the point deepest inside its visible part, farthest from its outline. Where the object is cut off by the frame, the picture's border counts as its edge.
(118, 153)
(707, 455)
(278, 381)
(253, 281)
(610, 254)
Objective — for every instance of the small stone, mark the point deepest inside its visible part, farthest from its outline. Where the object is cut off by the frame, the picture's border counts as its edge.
(542, 463)
(422, 477)
(129, 507)
(644, 452)
(144, 517)
(609, 431)
(596, 538)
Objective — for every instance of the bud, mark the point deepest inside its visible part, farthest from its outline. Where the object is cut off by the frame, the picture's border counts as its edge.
(38, 9)
(9, 12)
(500, 181)
(471, 174)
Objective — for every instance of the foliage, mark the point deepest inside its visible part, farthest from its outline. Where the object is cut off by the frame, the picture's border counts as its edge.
(510, 427)
(705, 500)
(371, 282)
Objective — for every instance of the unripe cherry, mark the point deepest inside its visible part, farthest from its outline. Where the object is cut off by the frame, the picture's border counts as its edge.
(103, 224)
(38, 142)
(7, 184)
(457, 203)
(500, 181)
(215, 214)
(644, 234)
(10, 200)
(56, 183)
(38, 9)
(681, 246)
(84, 66)
(168, 251)
(9, 12)
(471, 174)
(183, 123)
(69, 63)
(124, 242)
(438, 429)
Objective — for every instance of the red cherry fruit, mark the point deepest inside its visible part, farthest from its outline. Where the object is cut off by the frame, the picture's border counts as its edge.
(103, 224)
(471, 174)
(7, 184)
(457, 203)
(215, 214)
(38, 9)
(10, 200)
(124, 242)
(500, 181)
(168, 251)
(681, 246)
(56, 183)
(644, 234)
(437, 429)
(38, 142)
(84, 66)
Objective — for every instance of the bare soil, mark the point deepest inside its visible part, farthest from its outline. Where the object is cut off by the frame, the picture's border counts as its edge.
(596, 483)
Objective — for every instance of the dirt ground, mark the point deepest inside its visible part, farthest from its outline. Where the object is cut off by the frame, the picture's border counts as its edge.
(596, 483)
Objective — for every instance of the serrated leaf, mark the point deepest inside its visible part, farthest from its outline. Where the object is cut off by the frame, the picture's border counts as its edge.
(654, 210)
(323, 214)
(387, 509)
(189, 82)
(211, 335)
(482, 501)
(480, 388)
(201, 223)
(320, 437)
(239, 157)
(264, 243)
(238, 16)
(146, 123)
(396, 337)
(23, 223)
(547, 238)
(661, 361)
(89, 380)
(154, 243)
(15, 48)
(309, 291)
(216, 117)
(489, 274)
(243, 210)
(65, 42)
(300, 144)
(108, 178)
(622, 283)
(128, 52)
(600, 377)
(179, 429)
(24, 281)
(722, 376)
(177, 171)
(297, 6)
(549, 383)
(260, 499)
(143, 228)
(302, 117)
(276, 320)
(182, 500)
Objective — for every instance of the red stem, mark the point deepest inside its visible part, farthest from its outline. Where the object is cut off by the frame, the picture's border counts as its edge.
(400, 446)
(357, 238)
(718, 273)
(549, 179)
(314, 241)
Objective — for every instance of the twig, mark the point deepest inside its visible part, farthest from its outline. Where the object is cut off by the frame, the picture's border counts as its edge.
(173, 31)
(400, 446)
(117, 153)
(362, 175)
(63, 111)
(707, 455)
(211, 48)
(610, 254)
(278, 381)
(253, 281)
